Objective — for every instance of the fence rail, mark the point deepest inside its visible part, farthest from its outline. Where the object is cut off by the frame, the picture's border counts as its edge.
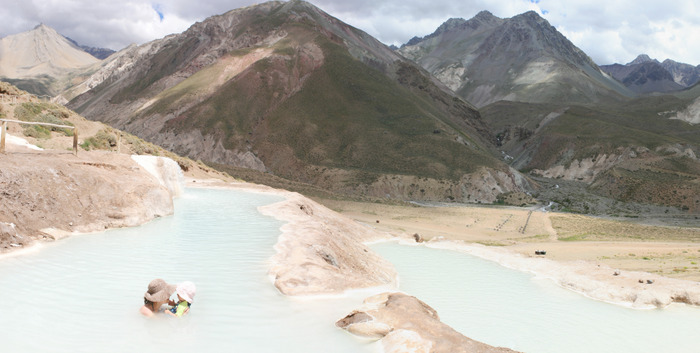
(23, 98)
(4, 132)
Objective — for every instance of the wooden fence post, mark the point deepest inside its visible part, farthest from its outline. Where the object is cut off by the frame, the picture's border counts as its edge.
(75, 141)
(2, 136)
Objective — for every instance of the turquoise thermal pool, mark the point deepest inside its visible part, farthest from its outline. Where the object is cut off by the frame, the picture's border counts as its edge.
(492, 304)
(82, 294)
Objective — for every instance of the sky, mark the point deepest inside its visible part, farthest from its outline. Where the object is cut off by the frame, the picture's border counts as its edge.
(612, 31)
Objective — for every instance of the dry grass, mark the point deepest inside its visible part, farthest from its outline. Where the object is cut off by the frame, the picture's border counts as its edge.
(579, 228)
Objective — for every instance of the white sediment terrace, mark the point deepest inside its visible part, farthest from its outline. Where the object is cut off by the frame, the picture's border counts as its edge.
(18, 141)
(317, 243)
(321, 251)
(311, 223)
(601, 282)
(165, 170)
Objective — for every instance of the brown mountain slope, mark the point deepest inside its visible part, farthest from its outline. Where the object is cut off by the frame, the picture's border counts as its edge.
(285, 88)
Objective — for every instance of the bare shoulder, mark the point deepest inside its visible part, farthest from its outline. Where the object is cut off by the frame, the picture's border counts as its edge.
(145, 311)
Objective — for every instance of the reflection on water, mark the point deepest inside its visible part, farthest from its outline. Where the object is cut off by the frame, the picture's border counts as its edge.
(513, 309)
(82, 294)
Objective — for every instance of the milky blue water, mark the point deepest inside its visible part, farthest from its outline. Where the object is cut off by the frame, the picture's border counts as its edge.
(503, 307)
(82, 294)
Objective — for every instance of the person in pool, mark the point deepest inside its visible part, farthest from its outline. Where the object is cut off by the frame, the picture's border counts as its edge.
(158, 293)
(185, 295)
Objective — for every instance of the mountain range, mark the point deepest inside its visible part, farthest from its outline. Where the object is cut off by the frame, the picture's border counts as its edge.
(479, 109)
(100, 53)
(647, 75)
(559, 116)
(285, 88)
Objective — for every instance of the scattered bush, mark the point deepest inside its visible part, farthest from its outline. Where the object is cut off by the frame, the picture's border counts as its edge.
(103, 140)
(43, 113)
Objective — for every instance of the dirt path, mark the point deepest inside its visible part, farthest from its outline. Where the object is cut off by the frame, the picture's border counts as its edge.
(548, 227)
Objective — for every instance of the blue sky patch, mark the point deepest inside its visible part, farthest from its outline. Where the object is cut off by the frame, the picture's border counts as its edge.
(158, 8)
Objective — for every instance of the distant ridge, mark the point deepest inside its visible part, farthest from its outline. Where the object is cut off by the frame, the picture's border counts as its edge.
(647, 75)
(100, 53)
(41, 51)
(41, 60)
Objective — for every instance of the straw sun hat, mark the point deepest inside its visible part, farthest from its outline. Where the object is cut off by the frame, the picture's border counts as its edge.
(159, 291)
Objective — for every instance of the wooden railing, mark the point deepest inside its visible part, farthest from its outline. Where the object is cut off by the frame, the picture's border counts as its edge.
(23, 98)
(4, 132)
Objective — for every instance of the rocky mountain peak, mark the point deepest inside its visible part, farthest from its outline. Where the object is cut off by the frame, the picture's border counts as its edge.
(482, 20)
(530, 16)
(669, 62)
(485, 15)
(42, 31)
(450, 24)
(683, 74)
(640, 59)
(40, 51)
(531, 33)
(486, 57)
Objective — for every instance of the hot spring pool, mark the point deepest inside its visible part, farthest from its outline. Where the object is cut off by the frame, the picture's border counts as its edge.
(492, 304)
(82, 294)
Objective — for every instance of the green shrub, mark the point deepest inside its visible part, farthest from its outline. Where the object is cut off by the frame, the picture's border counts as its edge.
(43, 113)
(103, 140)
(37, 131)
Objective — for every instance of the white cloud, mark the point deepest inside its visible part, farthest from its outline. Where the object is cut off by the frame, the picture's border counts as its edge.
(609, 31)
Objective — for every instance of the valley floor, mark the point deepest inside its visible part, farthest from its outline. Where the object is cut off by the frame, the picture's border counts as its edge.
(668, 251)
